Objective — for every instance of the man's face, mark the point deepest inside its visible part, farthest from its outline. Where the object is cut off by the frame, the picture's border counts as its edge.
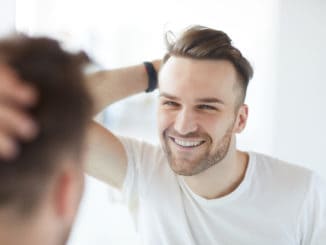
(197, 116)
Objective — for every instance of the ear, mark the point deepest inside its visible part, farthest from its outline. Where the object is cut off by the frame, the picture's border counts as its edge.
(69, 185)
(241, 119)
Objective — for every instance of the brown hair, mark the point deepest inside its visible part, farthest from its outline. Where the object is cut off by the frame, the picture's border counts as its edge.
(62, 113)
(199, 42)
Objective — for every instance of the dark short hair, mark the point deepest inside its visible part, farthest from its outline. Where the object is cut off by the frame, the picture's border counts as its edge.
(62, 113)
(199, 42)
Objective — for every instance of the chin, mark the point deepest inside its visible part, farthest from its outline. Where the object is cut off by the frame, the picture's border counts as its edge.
(184, 168)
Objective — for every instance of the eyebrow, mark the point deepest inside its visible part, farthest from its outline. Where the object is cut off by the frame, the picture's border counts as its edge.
(169, 96)
(211, 100)
(200, 100)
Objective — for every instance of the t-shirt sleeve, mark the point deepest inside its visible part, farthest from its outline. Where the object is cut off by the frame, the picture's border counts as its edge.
(143, 158)
(312, 220)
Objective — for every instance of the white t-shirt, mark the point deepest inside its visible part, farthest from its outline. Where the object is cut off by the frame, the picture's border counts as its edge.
(276, 204)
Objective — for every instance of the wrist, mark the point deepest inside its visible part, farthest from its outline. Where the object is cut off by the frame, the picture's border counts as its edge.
(151, 72)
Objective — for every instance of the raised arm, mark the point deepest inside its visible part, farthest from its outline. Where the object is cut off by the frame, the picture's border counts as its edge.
(104, 154)
(105, 157)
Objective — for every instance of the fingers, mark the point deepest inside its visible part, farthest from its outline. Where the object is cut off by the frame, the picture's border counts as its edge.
(15, 127)
(8, 147)
(15, 124)
(12, 89)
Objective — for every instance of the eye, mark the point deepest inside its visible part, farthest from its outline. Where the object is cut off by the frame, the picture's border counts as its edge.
(170, 103)
(206, 107)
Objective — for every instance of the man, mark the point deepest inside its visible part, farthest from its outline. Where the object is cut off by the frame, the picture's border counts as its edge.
(40, 189)
(198, 188)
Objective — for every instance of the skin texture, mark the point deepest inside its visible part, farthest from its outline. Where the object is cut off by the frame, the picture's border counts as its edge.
(205, 113)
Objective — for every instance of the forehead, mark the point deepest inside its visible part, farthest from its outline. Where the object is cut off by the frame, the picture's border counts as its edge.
(193, 79)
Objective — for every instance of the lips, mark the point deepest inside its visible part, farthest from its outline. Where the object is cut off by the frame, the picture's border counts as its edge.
(186, 143)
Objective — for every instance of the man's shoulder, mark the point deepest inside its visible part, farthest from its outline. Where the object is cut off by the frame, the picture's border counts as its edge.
(148, 171)
(281, 174)
(293, 192)
(275, 165)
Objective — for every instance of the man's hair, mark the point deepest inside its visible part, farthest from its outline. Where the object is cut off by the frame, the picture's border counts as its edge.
(199, 42)
(62, 112)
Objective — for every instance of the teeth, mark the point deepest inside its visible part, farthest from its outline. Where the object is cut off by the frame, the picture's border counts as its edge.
(187, 143)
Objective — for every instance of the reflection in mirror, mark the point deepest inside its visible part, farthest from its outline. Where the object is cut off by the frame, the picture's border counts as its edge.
(254, 200)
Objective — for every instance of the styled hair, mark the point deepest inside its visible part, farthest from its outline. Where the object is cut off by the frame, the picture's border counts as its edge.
(62, 113)
(199, 42)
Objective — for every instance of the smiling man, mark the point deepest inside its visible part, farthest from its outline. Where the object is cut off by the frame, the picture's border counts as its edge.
(197, 127)
(197, 188)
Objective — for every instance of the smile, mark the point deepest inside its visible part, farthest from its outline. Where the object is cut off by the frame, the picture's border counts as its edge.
(187, 143)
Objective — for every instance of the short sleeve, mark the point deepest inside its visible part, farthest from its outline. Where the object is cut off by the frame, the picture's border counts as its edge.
(143, 159)
(312, 220)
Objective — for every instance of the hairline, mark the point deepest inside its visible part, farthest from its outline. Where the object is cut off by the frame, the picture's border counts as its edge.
(237, 86)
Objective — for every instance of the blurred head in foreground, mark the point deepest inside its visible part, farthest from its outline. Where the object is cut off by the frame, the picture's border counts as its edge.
(41, 188)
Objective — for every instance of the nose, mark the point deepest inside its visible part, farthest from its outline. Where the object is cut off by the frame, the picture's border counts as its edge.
(185, 122)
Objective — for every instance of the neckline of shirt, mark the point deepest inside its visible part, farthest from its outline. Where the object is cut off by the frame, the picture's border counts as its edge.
(229, 197)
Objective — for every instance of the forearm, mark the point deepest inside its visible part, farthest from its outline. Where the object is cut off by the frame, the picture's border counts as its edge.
(105, 155)
(110, 86)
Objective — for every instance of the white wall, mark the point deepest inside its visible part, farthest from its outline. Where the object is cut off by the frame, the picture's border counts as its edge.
(7, 16)
(300, 114)
(282, 38)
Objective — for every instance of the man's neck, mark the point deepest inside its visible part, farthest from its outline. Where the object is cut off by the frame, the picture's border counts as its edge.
(222, 178)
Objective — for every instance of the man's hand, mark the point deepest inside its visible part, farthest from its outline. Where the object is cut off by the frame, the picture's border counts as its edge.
(15, 124)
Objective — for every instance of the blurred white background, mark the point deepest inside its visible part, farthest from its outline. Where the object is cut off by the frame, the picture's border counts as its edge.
(284, 40)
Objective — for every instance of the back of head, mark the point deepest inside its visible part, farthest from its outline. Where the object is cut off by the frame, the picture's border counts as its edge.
(62, 113)
(199, 42)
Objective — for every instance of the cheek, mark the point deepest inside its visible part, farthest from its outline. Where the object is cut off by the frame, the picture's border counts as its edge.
(211, 123)
(214, 126)
(164, 119)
